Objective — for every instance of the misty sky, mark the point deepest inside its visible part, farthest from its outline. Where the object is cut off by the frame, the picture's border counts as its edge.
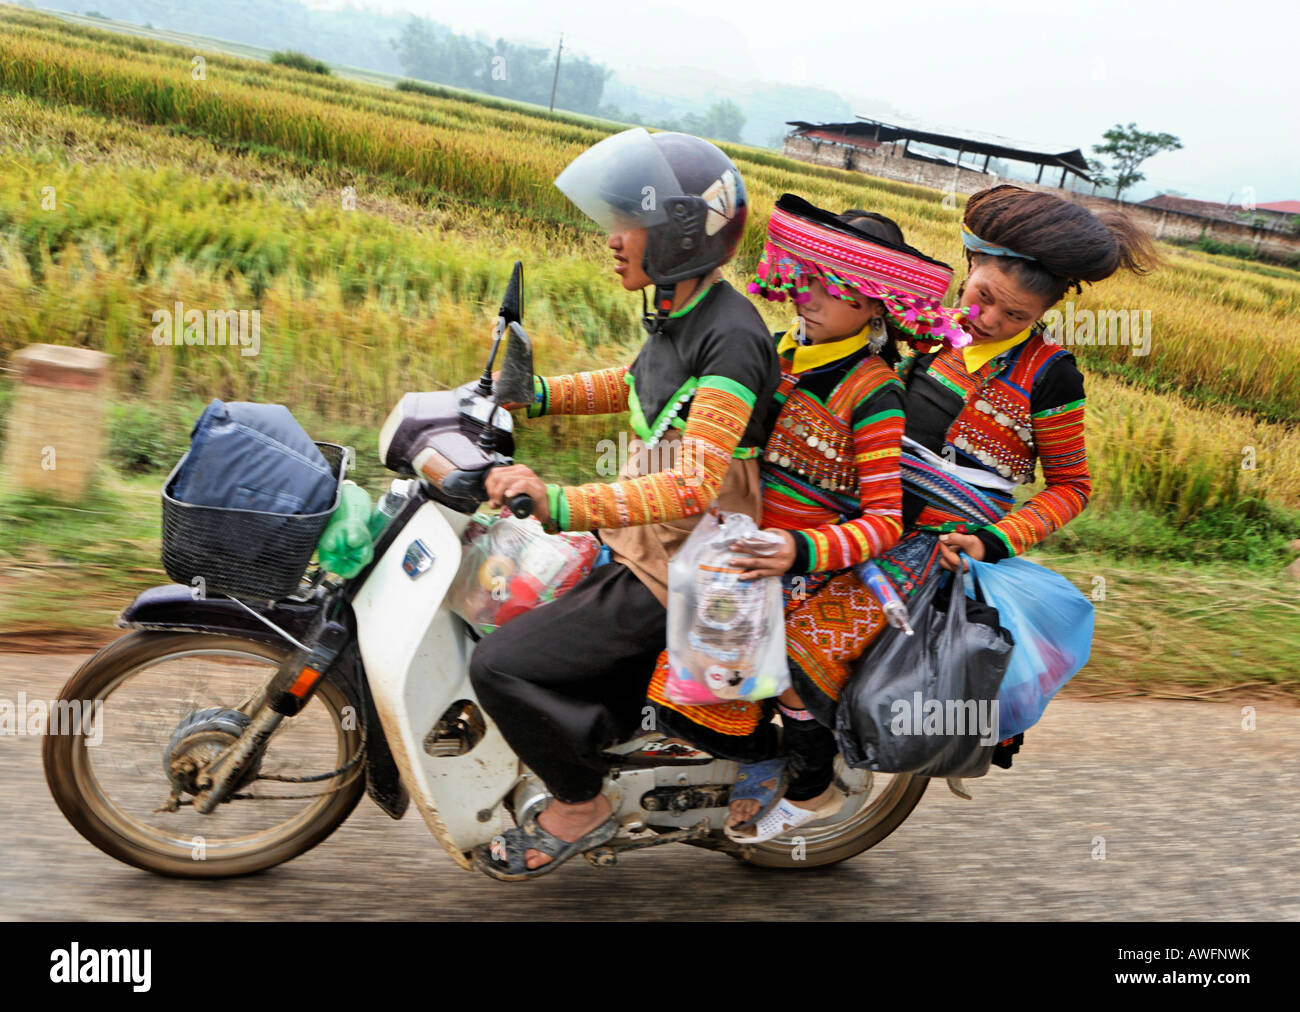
(1225, 78)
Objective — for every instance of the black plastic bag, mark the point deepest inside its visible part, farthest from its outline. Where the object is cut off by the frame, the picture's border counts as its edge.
(927, 704)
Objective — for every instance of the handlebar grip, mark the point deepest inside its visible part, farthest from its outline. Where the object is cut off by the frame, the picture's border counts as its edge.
(521, 505)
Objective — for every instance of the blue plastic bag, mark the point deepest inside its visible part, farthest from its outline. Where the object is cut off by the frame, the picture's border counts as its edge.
(1051, 622)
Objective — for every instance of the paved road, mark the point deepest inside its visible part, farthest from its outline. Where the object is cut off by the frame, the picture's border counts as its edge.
(1201, 820)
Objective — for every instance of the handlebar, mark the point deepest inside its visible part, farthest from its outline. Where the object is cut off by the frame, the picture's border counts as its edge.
(521, 505)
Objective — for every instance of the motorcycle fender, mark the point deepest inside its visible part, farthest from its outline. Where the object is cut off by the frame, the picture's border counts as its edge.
(416, 656)
(383, 779)
(174, 608)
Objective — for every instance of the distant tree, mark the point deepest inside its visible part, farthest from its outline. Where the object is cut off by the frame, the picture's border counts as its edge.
(441, 56)
(726, 120)
(722, 121)
(1128, 147)
(524, 73)
(1100, 174)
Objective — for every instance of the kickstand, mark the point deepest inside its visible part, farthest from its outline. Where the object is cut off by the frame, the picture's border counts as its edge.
(958, 788)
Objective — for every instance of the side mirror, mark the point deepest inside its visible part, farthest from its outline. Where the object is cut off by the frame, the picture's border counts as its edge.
(515, 383)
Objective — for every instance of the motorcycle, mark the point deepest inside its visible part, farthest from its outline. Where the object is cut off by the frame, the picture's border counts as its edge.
(366, 679)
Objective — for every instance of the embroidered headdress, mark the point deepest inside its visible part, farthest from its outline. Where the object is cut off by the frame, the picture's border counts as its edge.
(805, 243)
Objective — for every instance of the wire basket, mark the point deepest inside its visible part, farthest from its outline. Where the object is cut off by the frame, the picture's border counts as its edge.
(240, 552)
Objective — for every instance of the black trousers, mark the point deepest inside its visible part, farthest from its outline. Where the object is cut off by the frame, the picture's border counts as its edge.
(568, 679)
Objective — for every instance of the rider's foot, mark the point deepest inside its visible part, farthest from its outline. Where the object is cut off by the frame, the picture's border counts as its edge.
(569, 823)
(743, 811)
(750, 808)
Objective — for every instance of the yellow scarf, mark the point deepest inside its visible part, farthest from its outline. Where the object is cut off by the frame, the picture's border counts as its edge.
(810, 356)
(977, 353)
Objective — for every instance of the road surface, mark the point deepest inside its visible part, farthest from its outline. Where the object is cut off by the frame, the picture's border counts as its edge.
(1200, 820)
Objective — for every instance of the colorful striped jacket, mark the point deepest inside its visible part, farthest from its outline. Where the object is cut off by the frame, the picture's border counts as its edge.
(1022, 408)
(830, 467)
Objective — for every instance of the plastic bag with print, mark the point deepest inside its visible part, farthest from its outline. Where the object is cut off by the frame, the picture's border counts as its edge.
(726, 636)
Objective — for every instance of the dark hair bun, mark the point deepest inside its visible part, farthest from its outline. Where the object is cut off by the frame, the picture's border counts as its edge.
(1066, 239)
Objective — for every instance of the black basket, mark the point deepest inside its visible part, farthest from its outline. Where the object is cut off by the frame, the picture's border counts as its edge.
(243, 553)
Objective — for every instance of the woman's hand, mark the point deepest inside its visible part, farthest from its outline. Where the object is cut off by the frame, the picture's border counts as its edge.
(757, 566)
(951, 544)
(503, 482)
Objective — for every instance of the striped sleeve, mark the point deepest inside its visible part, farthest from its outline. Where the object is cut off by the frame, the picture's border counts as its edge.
(601, 392)
(1058, 433)
(877, 433)
(719, 412)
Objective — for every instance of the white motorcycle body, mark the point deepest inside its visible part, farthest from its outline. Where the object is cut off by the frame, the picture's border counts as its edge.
(416, 656)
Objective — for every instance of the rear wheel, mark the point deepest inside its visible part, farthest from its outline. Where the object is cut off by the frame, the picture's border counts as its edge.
(158, 697)
(876, 805)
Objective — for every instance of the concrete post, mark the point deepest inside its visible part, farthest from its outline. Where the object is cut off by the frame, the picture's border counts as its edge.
(56, 424)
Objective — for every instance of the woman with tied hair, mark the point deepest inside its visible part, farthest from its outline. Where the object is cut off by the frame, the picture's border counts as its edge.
(1012, 397)
(980, 414)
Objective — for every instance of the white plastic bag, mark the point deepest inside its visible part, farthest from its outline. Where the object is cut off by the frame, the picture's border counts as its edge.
(510, 566)
(726, 636)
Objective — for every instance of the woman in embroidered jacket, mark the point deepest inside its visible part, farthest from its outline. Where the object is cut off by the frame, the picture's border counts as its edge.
(981, 412)
(830, 480)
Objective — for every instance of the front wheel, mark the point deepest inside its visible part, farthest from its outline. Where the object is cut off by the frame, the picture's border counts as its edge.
(155, 702)
(876, 805)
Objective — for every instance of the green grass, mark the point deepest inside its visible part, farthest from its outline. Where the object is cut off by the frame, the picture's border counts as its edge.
(1163, 626)
(299, 61)
(1167, 627)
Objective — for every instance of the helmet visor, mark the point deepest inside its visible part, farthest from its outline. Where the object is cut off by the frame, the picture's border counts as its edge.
(621, 182)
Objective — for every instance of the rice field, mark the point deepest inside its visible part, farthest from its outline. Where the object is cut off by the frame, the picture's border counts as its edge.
(128, 185)
(1220, 332)
(374, 229)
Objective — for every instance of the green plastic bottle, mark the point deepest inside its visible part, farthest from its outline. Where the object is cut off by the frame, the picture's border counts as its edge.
(345, 545)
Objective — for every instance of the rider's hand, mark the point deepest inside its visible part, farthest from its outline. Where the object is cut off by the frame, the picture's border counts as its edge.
(503, 482)
(511, 405)
(951, 544)
(757, 566)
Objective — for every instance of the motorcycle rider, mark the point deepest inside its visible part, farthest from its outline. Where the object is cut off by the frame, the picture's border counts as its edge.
(566, 681)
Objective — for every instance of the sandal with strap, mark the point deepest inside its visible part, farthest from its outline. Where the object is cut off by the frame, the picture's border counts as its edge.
(784, 817)
(515, 843)
(764, 782)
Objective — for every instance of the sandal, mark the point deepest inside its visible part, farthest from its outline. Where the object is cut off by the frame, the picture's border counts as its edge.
(515, 843)
(784, 817)
(764, 782)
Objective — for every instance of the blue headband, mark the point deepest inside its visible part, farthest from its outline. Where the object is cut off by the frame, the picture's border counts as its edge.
(977, 245)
